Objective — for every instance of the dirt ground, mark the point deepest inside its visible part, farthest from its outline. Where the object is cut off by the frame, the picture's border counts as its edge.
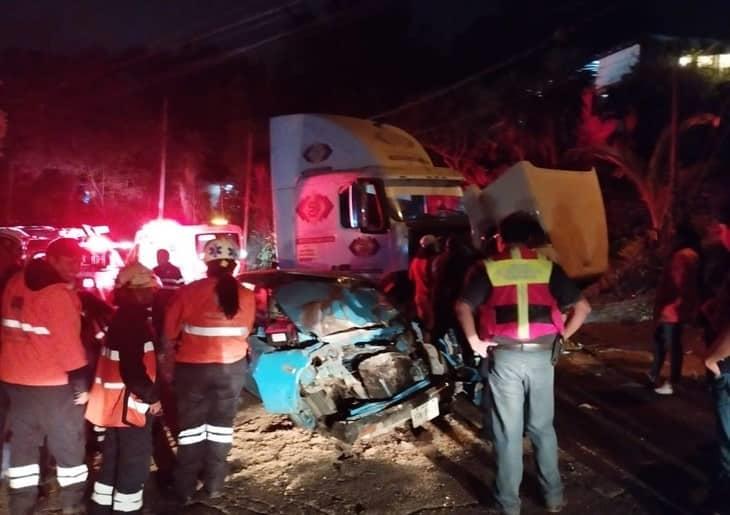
(623, 449)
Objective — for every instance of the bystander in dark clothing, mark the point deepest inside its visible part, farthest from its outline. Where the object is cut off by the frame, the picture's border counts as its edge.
(168, 273)
(717, 362)
(675, 305)
(448, 271)
(714, 266)
(163, 428)
(172, 279)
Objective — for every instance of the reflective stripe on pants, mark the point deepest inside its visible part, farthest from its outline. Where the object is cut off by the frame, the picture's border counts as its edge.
(24, 476)
(38, 414)
(124, 469)
(205, 432)
(207, 397)
(68, 476)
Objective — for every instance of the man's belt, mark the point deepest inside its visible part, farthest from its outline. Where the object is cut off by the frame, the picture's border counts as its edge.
(525, 346)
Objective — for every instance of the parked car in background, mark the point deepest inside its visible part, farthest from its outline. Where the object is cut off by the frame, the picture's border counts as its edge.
(331, 353)
(35, 238)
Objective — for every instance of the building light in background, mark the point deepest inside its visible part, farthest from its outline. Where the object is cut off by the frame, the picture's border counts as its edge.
(685, 60)
(723, 61)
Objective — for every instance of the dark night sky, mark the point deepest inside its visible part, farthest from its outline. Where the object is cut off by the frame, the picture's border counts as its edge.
(67, 26)
(459, 37)
(70, 25)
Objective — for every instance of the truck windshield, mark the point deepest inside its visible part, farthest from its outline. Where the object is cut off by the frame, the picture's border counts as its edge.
(410, 199)
(411, 207)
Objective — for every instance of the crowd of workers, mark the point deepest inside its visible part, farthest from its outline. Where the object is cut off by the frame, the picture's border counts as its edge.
(67, 359)
(515, 309)
(510, 305)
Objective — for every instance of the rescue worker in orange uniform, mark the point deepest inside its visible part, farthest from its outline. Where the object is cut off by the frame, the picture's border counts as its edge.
(124, 396)
(420, 274)
(11, 256)
(211, 319)
(43, 369)
(519, 296)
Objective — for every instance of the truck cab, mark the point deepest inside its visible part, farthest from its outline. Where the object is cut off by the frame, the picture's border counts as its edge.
(355, 195)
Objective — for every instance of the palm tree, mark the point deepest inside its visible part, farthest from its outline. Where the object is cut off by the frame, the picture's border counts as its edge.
(656, 180)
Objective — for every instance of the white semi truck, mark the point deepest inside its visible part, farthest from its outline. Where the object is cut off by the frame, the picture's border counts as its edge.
(355, 195)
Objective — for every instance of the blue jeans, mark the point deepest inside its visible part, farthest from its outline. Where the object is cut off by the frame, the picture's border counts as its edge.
(521, 385)
(721, 398)
(668, 335)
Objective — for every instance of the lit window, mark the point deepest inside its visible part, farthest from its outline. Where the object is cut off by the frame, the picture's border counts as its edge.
(705, 60)
(685, 60)
(724, 61)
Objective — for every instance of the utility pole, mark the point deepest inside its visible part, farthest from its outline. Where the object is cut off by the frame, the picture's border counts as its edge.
(163, 162)
(247, 181)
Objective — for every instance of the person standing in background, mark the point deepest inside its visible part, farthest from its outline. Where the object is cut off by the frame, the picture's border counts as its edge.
(420, 274)
(675, 305)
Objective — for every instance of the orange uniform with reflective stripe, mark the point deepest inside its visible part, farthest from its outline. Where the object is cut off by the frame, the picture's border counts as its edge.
(40, 341)
(111, 404)
(205, 334)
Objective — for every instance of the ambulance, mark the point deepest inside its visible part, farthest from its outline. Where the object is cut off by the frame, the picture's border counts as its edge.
(185, 244)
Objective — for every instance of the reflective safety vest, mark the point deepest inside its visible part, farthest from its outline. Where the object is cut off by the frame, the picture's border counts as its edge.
(170, 276)
(111, 404)
(521, 306)
(40, 330)
(205, 334)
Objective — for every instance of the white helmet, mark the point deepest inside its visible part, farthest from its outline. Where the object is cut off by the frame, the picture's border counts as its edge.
(427, 240)
(220, 248)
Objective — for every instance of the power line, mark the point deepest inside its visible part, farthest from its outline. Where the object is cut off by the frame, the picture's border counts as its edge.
(259, 20)
(544, 43)
(257, 17)
(460, 83)
(241, 50)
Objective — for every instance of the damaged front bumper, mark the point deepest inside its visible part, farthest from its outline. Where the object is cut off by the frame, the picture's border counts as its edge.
(373, 419)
